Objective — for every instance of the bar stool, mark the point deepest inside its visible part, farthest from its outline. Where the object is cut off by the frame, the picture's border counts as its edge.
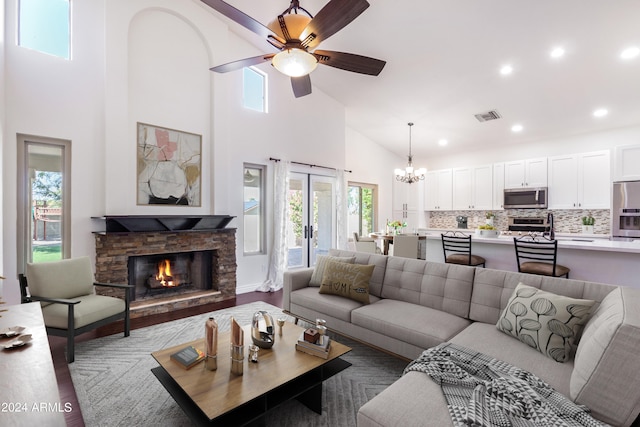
(542, 253)
(457, 249)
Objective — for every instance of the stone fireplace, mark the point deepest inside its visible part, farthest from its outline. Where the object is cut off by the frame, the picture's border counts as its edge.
(173, 262)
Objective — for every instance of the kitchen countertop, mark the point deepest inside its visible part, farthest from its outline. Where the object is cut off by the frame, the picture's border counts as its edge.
(588, 242)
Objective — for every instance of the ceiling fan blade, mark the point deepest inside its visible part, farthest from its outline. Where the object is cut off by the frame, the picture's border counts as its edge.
(247, 62)
(241, 18)
(350, 62)
(333, 17)
(301, 85)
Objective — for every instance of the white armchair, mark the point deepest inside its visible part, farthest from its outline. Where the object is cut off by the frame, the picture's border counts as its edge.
(70, 306)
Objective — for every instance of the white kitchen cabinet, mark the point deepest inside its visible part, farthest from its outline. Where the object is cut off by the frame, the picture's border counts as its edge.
(473, 188)
(580, 181)
(438, 190)
(627, 163)
(526, 173)
(405, 203)
(498, 186)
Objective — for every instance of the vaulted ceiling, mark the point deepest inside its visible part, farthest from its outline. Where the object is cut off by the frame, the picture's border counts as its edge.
(443, 66)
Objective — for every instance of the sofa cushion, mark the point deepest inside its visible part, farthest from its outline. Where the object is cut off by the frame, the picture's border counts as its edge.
(321, 264)
(380, 262)
(331, 305)
(415, 324)
(607, 366)
(486, 339)
(444, 287)
(547, 322)
(493, 288)
(67, 278)
(347, 280)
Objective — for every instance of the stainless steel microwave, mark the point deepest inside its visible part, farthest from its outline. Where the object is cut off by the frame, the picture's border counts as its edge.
(526, 198)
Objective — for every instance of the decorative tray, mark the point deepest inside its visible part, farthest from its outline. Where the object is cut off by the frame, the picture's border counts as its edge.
(18, 342)
(12, 331)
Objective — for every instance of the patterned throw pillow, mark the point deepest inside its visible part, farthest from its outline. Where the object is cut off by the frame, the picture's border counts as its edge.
(321, 264)
(548, 322)
(347, 280)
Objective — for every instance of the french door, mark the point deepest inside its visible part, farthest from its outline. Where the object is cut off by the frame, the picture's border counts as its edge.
(312, 218)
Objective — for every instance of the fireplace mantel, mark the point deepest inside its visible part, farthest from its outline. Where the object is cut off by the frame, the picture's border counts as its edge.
(160, 223)
(125, 236)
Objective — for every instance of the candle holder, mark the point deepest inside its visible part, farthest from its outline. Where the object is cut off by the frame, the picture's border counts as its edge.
(281, 321)
(237, 359)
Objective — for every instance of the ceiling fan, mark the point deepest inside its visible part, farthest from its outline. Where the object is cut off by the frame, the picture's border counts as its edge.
(296, 35)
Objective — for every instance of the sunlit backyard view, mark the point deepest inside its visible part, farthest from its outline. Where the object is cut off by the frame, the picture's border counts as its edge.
(46, 194)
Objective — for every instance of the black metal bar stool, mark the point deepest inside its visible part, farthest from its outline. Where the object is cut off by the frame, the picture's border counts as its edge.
(457, 249)
(539, 255)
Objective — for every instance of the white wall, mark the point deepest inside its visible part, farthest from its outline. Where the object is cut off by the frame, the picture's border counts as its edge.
(147, 61)
(373, 164)
(551, 147)
(2, 127)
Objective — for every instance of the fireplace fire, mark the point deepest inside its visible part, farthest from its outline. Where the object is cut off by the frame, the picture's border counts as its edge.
(176, 273)
(164, 277)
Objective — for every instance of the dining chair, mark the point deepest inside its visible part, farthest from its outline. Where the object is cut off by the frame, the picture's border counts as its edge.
(365, 244)
(538, 255)
(406, 246)
(70, 306)
(457, 249)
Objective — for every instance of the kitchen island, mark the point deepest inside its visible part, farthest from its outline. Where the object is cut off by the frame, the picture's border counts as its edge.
(592, 259)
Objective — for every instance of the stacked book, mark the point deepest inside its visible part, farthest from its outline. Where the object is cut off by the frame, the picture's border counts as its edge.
(320, 348)
(188, 357)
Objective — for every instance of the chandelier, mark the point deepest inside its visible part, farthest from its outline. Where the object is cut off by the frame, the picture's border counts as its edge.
(409, 174)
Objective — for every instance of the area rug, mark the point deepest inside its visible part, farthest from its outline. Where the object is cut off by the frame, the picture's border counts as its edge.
(115, 387)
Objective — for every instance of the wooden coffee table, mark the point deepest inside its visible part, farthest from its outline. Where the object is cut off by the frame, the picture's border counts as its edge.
(281, 374)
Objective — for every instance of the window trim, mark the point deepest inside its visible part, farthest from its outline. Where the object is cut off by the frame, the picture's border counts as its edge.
(262, 210)
(23, 199)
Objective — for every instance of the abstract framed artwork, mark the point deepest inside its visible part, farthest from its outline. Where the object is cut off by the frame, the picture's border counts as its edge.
(169, 166)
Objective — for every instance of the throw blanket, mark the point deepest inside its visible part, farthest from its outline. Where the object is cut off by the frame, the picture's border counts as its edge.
(483, 391)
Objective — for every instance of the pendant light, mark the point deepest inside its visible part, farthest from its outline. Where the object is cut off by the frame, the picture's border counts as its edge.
(409, 174)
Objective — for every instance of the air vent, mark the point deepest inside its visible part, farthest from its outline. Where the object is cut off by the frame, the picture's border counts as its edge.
(489, 115)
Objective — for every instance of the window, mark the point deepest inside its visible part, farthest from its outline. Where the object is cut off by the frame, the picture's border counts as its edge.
(254, 213)
(254, 89)
(44, 200)
(362, 208)
(45, 26)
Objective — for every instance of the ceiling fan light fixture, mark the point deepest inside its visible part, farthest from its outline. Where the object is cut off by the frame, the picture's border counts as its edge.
(294, 62)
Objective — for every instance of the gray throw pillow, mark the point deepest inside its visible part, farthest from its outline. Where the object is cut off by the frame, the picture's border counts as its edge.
(321, 264)
(545, 321)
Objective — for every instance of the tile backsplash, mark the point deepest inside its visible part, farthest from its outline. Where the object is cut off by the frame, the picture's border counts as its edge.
(565, 220)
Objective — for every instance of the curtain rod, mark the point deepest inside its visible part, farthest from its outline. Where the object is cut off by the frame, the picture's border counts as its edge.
(310, 165)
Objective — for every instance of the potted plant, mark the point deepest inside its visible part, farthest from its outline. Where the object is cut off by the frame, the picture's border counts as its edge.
(489, 216)
(587, 224)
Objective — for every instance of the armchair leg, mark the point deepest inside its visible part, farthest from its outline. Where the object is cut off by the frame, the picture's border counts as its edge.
(70, 335)
(127, 324)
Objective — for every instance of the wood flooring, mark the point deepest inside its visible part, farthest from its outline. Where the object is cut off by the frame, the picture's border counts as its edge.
(57, 344)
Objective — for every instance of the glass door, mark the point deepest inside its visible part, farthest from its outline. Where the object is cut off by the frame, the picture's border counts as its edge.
(312, 212)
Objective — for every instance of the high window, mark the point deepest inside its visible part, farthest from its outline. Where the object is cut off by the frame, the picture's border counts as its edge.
(254, 89)
(45, 26)
(43, 199)
(362, 208)
(254, 213)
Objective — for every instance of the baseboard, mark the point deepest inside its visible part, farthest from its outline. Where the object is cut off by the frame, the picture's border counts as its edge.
(244, 289)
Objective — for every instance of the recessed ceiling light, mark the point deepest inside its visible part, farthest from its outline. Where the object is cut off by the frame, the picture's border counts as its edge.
(630, 52)
(557, 52)
(506, 70)
(443, 142)
(516, 128)
(600, 112)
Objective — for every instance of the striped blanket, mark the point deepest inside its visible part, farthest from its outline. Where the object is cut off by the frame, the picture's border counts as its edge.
(483, 391)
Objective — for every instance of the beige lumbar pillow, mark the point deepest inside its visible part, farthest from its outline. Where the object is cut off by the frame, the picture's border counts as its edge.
(545, 321)
(347, 280)
(321, 264)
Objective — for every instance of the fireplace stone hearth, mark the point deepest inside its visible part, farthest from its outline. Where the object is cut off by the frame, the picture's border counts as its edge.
(114, 248)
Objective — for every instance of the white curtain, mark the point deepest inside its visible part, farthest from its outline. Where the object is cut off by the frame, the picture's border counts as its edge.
(341, 209)
(278, 259)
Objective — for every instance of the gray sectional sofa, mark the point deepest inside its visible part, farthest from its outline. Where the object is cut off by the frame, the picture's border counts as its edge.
(415, 305)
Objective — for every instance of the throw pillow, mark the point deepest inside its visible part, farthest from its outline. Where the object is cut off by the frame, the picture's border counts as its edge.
(545, 321)
(347, 280)
(321, 263)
